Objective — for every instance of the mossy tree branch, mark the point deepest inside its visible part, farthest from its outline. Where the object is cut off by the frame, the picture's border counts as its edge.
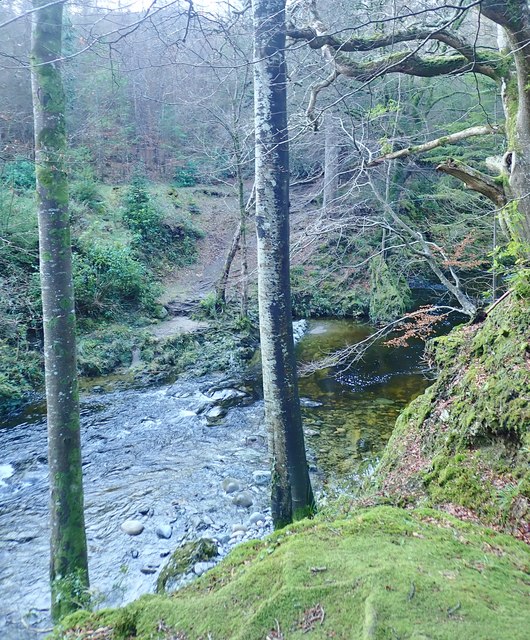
(453, 138)
(486, 63)
(475, 180)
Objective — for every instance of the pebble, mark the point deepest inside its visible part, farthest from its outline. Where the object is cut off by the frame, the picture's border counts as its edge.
(231, 485)
(132, 527)
(239, 527)
(149, 569)
(223, 539)
(164, 531)
(135, 553)
(244, 499)
(201, 567)
(256, 517)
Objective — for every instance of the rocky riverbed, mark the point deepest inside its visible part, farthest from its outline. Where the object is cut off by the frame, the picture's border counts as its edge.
(162, 467)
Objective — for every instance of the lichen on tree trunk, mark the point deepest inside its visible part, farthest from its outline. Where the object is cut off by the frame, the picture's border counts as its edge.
(292, 495)
(68, 562)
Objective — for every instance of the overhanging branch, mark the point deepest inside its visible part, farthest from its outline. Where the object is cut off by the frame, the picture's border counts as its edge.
(452, 138)
(486, 63)
(475, 180)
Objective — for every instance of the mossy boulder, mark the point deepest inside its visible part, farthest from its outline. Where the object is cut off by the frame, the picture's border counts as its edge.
(182, 561)
(383, 573)
(463, 445)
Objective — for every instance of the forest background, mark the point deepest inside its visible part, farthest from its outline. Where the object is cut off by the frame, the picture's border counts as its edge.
(160, 129)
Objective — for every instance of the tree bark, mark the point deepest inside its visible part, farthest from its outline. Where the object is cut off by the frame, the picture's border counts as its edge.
(292, 496)
(68, 565)
(514, 18)
(220, 293)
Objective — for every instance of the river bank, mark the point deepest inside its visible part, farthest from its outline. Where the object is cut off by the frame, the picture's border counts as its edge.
(160, 456)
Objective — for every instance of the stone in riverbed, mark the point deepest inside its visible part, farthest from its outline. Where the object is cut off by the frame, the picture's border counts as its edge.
(256, 517)
(164, 531)
(261, 478)
(239, 527)
(310, 404)
(149, 569)
(201, 567)
(132, 527)
(230, 485)
(226, 397)
(215, 414)
(243, 499)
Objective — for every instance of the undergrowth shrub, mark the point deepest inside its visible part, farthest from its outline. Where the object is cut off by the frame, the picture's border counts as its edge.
(109, 280)
(19, 174)
(154, 237)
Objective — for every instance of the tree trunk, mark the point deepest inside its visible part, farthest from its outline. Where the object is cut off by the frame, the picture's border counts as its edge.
(243, 213)
(331, 165)
(514, 18)
(220, 294)
(68, 565)
(292, 496)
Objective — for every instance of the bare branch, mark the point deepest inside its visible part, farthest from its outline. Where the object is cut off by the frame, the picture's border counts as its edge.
(347, 356)
(30, 11)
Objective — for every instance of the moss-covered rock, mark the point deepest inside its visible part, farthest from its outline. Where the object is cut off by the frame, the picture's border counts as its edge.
(182, 561)
(383, 573)
(463, 445)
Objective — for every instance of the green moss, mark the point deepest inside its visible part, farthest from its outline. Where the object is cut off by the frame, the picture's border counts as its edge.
(383, 573)
(182, 560)
(467, 435)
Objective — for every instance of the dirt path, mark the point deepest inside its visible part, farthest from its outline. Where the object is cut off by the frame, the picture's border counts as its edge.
(184, 288)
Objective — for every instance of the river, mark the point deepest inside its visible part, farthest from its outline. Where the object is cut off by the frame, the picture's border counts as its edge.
(150, 455)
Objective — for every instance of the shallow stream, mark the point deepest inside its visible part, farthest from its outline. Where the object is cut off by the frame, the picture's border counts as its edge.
(150, 456)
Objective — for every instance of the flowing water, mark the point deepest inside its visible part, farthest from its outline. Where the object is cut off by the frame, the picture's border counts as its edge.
(150, 456)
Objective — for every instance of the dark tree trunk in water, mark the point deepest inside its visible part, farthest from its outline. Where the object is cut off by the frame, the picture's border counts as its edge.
(292, 496)
(68, 565)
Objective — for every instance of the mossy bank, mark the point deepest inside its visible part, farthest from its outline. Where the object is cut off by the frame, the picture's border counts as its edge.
(382, 573)
(464, 445)
(458, 460)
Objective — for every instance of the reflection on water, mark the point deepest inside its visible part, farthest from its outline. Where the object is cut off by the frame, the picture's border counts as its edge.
(360, 405)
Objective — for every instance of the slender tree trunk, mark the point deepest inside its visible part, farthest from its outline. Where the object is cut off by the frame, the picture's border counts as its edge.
(243, 214)
(68, 566)
(292, 496)
(331, 165)
(220, 294)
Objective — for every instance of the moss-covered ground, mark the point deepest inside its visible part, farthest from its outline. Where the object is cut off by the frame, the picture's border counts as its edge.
(383, 573)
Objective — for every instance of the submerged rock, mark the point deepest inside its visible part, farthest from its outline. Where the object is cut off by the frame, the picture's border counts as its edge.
(261, 477)
(243, 499)
(231, 485)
